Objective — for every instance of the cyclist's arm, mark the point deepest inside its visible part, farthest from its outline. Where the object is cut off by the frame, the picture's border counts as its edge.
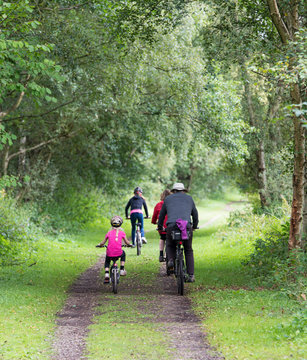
(127, 207)
(155, 215)
(162, 215)
(126, 241)
(105, 240)
(145, 207)
(194, 216)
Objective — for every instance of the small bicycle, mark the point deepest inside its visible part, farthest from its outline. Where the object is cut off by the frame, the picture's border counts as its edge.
(114, 272)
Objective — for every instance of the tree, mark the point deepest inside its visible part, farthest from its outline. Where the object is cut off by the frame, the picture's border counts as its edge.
(287, 21)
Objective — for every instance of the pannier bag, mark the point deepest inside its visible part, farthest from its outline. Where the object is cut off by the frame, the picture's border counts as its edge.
(176, 235)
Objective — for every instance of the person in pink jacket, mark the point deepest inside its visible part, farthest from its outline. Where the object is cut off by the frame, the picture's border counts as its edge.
(154, 220)
(115, 236)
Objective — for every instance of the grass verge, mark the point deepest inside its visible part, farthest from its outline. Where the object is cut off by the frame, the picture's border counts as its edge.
(32, 295)
(244, 322)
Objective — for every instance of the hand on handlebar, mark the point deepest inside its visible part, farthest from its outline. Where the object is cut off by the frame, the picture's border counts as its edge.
(100, 246)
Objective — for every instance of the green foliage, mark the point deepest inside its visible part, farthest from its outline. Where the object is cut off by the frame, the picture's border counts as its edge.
(271, 263)
(18, 235)
(296, 327)
(70, 211)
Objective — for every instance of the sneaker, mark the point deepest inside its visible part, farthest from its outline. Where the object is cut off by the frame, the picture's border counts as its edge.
(161, 258)
(170, 266)
(191, 278)
(133, 246)
(106, 280)
(144, 241)
(123, 273)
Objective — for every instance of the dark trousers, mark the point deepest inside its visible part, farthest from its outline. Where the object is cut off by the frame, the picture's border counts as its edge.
(111, 258)
(187, 245)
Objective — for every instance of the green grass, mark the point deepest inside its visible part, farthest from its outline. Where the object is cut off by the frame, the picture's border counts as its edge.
(31, 296)
(126, 331)
(244, 322)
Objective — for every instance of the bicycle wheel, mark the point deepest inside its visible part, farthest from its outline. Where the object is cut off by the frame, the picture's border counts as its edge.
(114, 280)
(180, 276)
(138, 243)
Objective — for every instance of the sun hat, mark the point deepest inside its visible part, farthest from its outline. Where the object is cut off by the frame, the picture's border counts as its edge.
(178, 187)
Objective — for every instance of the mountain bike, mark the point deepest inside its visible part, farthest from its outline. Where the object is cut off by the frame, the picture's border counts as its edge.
(179, 266)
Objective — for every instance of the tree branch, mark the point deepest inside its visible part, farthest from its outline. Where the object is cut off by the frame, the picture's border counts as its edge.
(278, 21)
(69, 8)
(43, 143)
(42, 114)
(3, 114)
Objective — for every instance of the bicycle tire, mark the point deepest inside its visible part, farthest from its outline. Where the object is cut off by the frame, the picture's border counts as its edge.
(180, 276)
(114, 281)
(138, 243)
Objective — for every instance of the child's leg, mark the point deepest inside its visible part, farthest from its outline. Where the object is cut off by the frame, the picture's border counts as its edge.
(122, 264)
(107, 270)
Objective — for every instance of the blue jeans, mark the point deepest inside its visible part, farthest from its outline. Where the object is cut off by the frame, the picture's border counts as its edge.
(133, 218)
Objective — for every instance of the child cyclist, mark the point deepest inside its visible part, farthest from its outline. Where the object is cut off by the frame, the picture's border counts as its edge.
(154, 220)
(136, 204)
(114, 248)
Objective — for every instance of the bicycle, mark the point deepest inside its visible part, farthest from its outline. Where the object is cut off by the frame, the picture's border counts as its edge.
(179, 265)
(114, 272)
(138, 236)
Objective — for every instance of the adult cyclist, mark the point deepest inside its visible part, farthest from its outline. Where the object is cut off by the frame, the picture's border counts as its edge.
(179, 208)
(136, 204)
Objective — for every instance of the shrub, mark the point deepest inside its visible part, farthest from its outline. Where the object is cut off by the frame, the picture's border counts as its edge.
(17, 236)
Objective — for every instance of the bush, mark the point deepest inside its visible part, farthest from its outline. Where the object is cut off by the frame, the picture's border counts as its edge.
(272, 264)
(17, 236)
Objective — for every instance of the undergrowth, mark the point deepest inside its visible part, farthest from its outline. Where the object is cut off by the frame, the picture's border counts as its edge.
(18, 234)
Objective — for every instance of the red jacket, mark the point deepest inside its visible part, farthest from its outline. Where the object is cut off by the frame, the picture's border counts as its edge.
(155, 216)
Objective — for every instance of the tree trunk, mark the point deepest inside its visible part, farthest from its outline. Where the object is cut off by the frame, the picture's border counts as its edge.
(261, 168)
(22, 157)
(304, 237)
(5, 161)
(262, 180)
(298, 185)
(287, 34)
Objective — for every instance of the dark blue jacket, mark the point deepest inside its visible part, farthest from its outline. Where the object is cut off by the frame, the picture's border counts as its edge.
(178, 206)
(136, 202)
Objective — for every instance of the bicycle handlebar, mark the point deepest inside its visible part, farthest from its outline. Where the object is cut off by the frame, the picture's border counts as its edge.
(104, 246)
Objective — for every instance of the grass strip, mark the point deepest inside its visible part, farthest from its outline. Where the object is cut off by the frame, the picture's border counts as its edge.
(31, 296)
(244, 322)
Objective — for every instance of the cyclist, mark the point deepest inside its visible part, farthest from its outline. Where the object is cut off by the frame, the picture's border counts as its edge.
(179, 207)
(136, 203)
(115, 236)
(154, 220)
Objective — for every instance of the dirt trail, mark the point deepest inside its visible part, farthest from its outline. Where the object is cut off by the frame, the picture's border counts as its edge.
(172, 312)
